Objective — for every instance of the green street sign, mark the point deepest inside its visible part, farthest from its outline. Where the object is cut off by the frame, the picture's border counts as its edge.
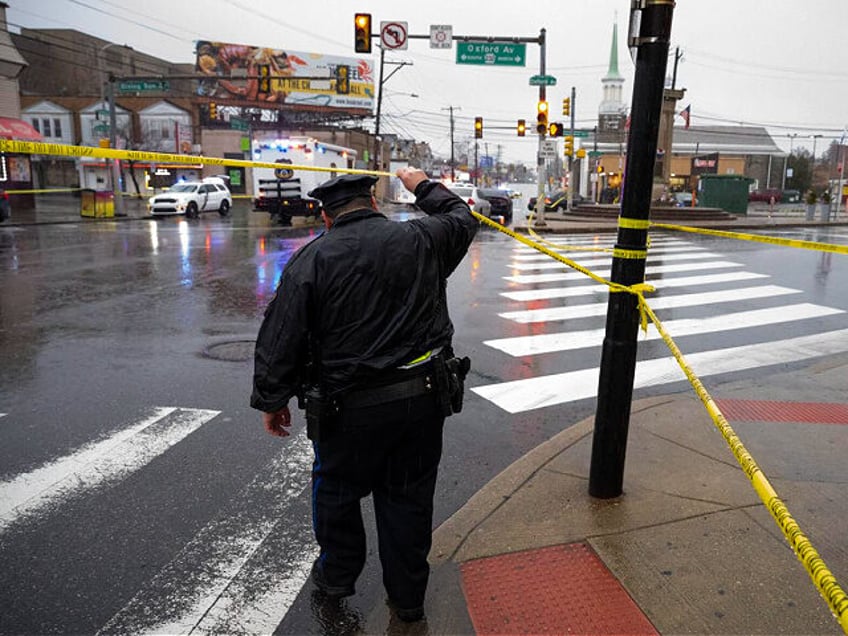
(595, 153)
(141, 86)
(543, 80)
(581, 133)
(491, 53)
(237, 123)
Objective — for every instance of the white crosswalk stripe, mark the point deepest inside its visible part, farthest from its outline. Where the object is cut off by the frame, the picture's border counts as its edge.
(681, 265)
(97, 463)
(239, 589)
(549, 390)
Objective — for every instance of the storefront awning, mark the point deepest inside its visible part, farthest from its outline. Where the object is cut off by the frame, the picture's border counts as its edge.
(18, 129)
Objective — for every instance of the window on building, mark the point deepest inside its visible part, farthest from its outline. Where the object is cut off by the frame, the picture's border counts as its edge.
(57, 127)
(36, 124)
(45, 127)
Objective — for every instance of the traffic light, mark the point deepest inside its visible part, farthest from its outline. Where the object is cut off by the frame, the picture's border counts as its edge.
(213, 110)
(342, 79)
(555, 129)
(581, 153)
(522, 126)
(362, 33)
(566, 106)
(264, 72)
(569, 146)
(478, 128)
(542, 117)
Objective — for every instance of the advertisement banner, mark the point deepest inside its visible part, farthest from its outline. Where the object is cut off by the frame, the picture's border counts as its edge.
(705, 164)
(263, 77)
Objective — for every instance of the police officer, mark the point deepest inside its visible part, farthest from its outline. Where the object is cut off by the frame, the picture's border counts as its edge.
(360, 319)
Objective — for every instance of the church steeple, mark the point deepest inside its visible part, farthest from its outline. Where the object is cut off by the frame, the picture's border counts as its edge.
(612, 73)
(612, 110)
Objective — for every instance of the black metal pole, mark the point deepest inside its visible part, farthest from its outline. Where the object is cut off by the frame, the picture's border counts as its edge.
(618, 358)
(379, 108)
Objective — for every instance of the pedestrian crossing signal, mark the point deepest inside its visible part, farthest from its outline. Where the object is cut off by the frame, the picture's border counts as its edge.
(362, 32)
(555, 129)
(522, 126)
(478, 128)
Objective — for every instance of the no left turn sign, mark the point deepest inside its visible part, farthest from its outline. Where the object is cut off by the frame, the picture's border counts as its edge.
(393, 35)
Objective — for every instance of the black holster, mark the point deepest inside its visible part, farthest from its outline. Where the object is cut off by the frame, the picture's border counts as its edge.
(322, 414)
(450, 378)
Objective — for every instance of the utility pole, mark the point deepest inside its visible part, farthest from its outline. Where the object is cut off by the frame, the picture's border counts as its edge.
(453, 163)
(618, 357)
(540, 160)
(571, 162)
(117, 190)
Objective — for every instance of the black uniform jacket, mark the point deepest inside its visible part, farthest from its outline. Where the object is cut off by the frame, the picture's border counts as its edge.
(369, 295)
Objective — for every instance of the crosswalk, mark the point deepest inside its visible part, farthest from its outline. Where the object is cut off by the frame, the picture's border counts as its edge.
(558, 302)
(240, 573)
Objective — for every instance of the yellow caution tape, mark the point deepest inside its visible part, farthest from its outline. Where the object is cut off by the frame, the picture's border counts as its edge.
(34, 148)
(772, 240)
(633, 224)
(43, 191)
(630, 254)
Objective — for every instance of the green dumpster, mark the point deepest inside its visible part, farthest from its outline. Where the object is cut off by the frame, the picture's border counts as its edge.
(726, 191)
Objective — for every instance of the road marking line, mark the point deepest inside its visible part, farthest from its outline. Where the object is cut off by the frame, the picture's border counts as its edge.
(219, 582)
(661, 250)
(607, 242)
(659, 283)
(97, 463)
(605, 260)
(667, 302)
(566, 341)
(527, 279)
(549, 390)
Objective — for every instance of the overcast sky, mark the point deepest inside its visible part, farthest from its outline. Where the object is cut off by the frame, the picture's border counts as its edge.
(777, 63)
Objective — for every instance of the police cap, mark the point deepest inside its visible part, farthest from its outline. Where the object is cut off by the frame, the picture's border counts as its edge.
(338, 191)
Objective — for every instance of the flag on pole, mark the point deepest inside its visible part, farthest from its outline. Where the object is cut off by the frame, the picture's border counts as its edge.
(685, 113)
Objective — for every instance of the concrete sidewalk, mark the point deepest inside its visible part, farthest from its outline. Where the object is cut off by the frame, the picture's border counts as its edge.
(688, 548)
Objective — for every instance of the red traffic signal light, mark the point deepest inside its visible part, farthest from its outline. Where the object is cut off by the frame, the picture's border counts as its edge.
(542, 117)
(362, 32)
(522, 126)
(478, 128)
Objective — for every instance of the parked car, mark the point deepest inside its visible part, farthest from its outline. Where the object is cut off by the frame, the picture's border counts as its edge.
(501, 203)
(193, 197)
(472, 197)
(5, 206)
(765, 196)
(683, 199)
(558, 201)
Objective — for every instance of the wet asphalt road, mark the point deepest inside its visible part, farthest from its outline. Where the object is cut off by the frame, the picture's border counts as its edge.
(101, 323)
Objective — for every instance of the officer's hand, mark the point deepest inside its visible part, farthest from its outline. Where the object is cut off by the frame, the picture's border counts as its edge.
(277, 423)
(411, 177)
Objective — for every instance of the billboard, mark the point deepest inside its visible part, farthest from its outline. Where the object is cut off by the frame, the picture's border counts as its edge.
(264, 77)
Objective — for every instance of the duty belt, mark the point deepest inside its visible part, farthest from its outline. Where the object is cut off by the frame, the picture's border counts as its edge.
(419, 382)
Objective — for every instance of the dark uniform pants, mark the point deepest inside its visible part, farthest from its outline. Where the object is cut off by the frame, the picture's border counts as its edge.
(391, 450)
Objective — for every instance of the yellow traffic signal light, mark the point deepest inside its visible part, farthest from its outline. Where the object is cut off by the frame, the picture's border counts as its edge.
(264, 71)
(569, 146)
(362, 32)
(522, 126)
(213, 110)
(542, 117)
(342, 79)
(581, 153)
(478, 128)
(566, 106)
(555, 129)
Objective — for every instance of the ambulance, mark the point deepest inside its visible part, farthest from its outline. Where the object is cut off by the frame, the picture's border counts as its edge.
(282, 192)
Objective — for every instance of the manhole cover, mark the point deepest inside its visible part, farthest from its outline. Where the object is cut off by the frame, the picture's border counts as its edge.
(231, 351)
